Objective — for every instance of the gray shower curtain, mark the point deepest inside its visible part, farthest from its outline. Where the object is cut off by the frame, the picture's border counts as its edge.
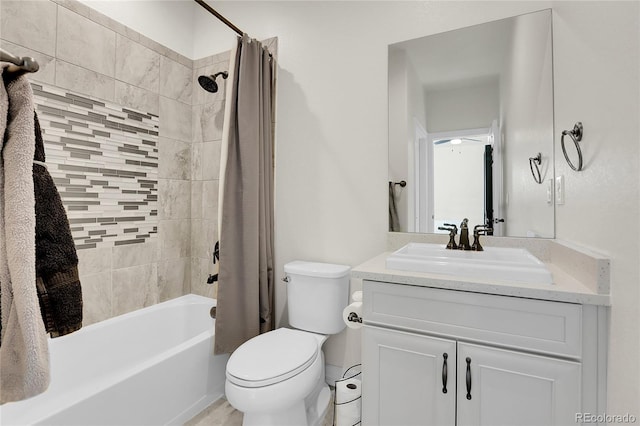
(246, 277)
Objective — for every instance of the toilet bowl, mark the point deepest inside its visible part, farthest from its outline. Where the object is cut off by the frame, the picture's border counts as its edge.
(278, 378)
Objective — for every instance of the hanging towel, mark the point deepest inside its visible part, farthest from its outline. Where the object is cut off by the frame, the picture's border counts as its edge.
(56, 259)
(24, 352)
(394, 221)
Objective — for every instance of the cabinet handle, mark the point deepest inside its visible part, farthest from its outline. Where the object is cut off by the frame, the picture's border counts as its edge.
(444, 373)
(468, 378)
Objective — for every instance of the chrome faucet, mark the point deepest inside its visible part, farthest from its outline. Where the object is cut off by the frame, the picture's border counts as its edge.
(477, 231)
(453, 230)
(464, 235)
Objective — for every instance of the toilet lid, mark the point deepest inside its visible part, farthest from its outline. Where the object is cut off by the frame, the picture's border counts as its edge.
(272, 357)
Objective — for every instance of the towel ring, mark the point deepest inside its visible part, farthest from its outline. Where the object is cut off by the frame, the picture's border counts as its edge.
(576, 136)
(535, 162)
(402, 183)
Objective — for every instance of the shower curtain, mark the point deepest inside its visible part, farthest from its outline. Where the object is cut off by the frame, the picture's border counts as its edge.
(246, 277)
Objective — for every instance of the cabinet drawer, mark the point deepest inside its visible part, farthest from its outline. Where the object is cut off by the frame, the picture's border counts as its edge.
(536, 325)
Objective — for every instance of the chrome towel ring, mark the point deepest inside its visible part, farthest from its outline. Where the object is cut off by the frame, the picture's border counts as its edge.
(576, 136)
(535, 162)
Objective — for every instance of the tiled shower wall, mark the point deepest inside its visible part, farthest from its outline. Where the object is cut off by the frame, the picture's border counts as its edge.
(207, 119)
(85, 54)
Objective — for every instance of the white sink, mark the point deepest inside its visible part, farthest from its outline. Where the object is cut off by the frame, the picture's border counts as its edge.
(494, 263)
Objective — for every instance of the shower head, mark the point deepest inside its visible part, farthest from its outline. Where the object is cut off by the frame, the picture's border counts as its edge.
(208, 82)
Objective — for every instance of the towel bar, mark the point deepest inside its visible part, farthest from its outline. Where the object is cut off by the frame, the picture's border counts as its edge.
(24, 63)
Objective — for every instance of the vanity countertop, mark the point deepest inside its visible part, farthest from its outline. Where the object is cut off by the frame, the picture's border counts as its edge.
(566, 287)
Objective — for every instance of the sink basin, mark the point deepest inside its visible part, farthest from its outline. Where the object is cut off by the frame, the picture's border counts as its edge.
(494, 263)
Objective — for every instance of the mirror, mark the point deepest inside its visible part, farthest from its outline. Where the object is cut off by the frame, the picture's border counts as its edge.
(468, 109)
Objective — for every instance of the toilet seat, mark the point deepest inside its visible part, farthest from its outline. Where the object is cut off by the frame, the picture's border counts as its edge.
(272, 357)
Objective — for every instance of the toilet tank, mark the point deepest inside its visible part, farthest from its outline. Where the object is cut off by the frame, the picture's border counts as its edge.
(317, 293)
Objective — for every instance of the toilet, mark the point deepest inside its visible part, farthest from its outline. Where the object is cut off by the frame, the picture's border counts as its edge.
(277, 378)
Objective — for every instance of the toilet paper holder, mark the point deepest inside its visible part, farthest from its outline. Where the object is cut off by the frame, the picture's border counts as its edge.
(353, 317)
(347, 407)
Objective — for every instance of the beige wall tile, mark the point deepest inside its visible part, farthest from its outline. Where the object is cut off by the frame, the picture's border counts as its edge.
(85, 43)
(174, 199)
(85, 81)
(196, 199)
(212, 121)
(211, 160)
(134, 288)
(174, 278)
(196, 160)
(30, 24)
(175, 159)
(135, 254)
(136, 64)
(208, 120)
(175, 80)
(94, 261)
(136, 97)
(175, 119)
(175, 239)
(96, 297)
(210, 200)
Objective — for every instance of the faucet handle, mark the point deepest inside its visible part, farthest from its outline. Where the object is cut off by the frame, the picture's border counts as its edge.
(481, 230)
(453, 230)
(477, 231)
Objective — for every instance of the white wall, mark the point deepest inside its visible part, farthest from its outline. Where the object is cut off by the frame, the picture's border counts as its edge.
(169, 22)
(601, 89)
(469, 107)
(332, 136)
(406, 108)
(399, 135)
(527, 127)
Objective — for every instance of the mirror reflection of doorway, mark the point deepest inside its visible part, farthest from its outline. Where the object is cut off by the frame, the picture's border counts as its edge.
(460, 176)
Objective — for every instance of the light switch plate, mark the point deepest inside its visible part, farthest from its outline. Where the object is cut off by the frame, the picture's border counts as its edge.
(559, 190)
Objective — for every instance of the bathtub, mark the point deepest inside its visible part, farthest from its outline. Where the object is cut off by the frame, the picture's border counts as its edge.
(154, 366)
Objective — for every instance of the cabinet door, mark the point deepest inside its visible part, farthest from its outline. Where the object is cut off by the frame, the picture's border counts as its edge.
(403, 376)
(511, 388)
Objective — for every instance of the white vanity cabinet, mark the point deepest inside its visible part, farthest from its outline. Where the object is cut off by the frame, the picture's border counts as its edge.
(509, 360)
(404, 378)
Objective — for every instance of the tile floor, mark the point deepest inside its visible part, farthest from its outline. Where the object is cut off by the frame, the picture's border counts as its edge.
(221, 413)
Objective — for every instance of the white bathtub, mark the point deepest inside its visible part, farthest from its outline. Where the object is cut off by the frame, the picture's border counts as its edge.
(154, 366)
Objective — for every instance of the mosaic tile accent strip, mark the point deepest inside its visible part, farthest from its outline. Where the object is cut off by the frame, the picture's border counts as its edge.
(104, 161)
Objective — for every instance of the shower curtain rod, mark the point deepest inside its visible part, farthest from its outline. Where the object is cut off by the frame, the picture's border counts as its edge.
(219, 16)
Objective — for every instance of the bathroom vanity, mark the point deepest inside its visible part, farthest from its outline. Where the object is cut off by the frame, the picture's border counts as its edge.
(442, 349)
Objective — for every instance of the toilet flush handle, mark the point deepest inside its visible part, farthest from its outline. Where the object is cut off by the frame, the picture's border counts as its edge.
(286, 279)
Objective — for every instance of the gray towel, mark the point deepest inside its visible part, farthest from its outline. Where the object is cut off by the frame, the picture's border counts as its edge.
(57, 281)
(394, 221)
(24, 350)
